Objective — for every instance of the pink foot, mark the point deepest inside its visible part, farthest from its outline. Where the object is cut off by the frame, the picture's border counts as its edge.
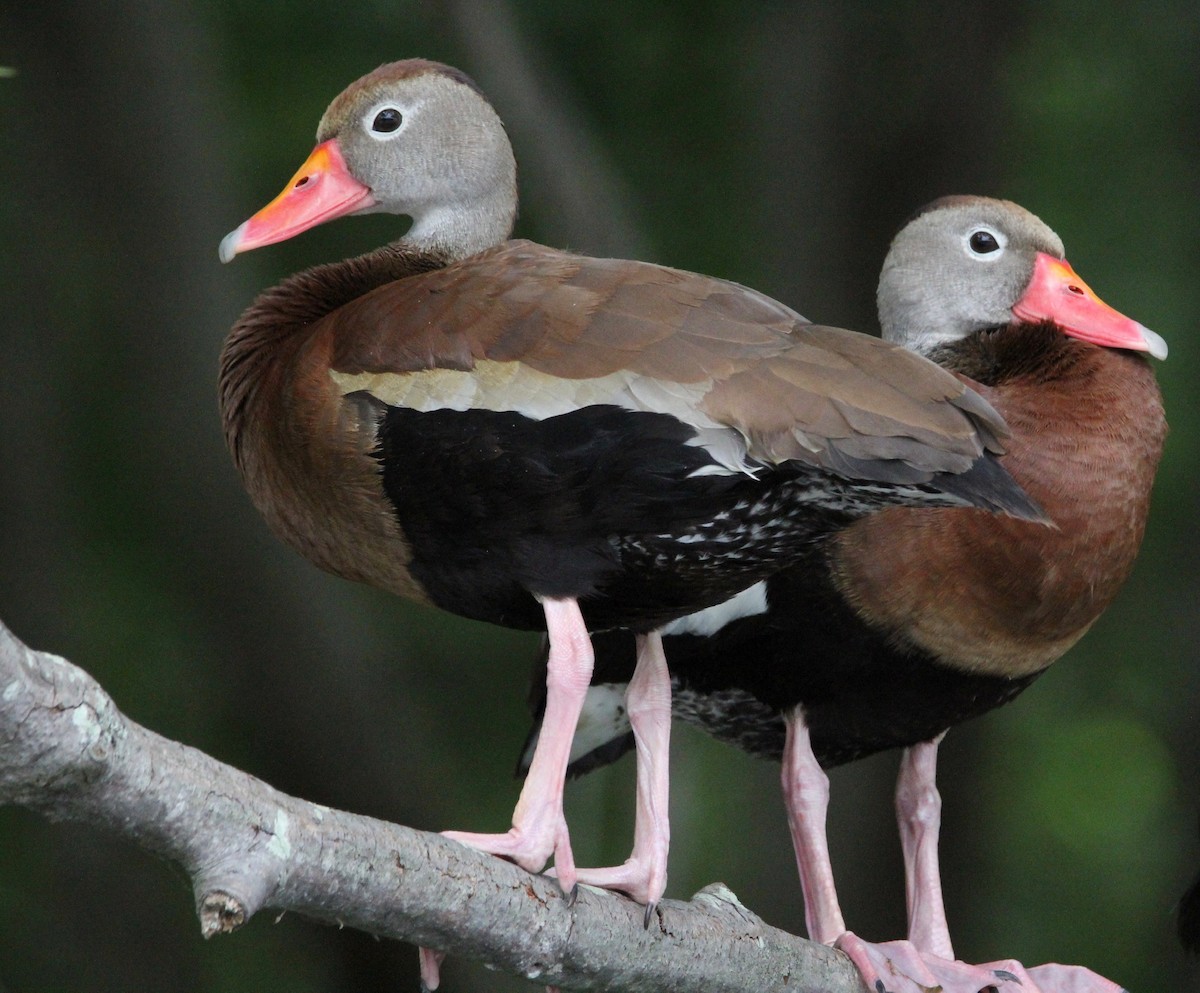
(529, 846)
(431, 969)
(539, 827)
(926, 962)
(1072, 979)
(899, 967)
(648, 700)
(643, 879)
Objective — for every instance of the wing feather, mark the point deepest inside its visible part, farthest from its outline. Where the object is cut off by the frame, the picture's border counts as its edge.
(528, 328)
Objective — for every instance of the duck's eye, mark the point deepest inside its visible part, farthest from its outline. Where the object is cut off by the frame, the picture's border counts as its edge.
(983, 242)
(387, 120)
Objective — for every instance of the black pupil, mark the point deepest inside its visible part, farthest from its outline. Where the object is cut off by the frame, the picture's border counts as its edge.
(984, 242)
(387, 120)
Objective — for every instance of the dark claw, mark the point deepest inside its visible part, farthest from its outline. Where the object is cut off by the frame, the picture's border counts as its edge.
(572, 896)
(650, 908)
(1003, 974)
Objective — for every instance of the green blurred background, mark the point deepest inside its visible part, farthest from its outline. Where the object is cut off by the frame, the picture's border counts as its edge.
(779, 145)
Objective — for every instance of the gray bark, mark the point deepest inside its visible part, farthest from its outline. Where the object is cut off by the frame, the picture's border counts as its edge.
(69, 753)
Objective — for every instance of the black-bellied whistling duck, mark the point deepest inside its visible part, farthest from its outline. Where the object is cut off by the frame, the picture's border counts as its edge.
(547, 441)
(904, 622)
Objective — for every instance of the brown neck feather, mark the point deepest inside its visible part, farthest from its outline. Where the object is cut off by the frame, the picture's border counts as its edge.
(267, 337)
(992, 594)
(304, 454)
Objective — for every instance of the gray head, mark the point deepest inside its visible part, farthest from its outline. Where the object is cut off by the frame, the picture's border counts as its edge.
(957, 267)
(966, 264)
(412, 137)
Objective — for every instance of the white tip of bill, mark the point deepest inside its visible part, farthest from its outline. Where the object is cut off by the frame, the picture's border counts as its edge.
(1156, 345)
(229, 246)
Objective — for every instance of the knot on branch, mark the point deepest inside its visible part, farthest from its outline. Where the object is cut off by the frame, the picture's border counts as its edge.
(220, 913)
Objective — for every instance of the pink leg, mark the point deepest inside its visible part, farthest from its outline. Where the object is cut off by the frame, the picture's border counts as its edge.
(539, 827)
(926, 960)
(431, 969)
(648, 701)
(919, 814)
(806, 794)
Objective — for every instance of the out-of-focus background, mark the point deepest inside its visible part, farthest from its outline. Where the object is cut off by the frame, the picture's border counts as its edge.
(776, 144)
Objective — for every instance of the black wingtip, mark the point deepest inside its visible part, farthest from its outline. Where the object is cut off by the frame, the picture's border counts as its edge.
(988, 485)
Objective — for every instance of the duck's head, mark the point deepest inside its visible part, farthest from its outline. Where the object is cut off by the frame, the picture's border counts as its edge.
(968, 264)
(412, 137)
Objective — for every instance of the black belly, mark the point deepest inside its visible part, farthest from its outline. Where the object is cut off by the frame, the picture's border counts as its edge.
(606, 505)
(862, 692)
(601, 504)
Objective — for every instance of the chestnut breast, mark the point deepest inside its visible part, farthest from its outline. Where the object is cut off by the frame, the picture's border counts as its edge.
(993, 595)
(315, 364)
(304, 451)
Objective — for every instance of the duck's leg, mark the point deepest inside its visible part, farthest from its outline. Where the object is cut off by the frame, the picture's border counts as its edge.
(431, 969)
(648, 703)
(806, 795)
(926, 960)
(919, 816)
(539, 827)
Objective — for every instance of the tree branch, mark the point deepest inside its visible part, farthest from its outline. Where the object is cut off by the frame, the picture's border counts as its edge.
(68, 752)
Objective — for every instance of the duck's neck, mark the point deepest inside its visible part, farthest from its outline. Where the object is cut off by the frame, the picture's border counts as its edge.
(1028, 355)
(1087, 422)
(996, 595)
(456, 231)
(259, 351)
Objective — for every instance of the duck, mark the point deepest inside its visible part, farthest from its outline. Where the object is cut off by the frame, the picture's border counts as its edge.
(905, 622)
(548, 441)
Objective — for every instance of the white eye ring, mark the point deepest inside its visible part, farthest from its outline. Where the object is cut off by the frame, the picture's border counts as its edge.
(984, 242)
(386, 113)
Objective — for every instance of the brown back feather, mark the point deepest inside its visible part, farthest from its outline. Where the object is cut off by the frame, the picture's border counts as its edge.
(791, 388)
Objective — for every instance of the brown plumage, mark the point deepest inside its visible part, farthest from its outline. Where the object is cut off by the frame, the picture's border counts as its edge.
(906, 621)
(992, 595)
(539, 439)
(305, 457)
(526, 328)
